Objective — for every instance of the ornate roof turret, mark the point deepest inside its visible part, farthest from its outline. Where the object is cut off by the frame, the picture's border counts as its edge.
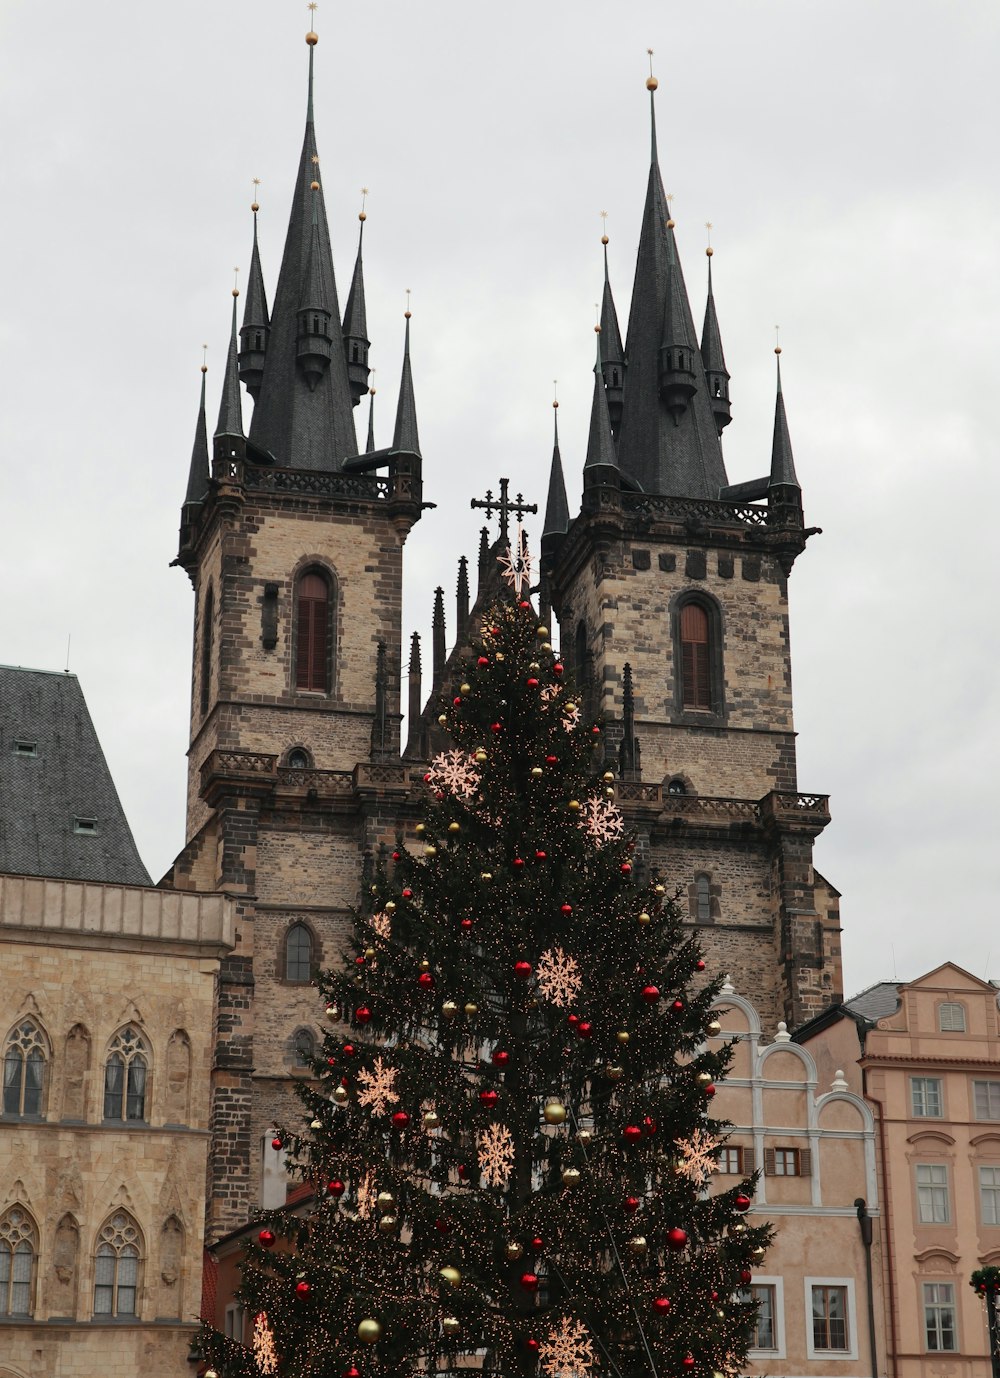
(304, 417)
(198, 474)
(601, 467)
(356, 340)
(668, 441)
(556, 522)
(230, 424)
(612, 354)
(404, 436)
(714, 360)
(782, 463)
(256, 324)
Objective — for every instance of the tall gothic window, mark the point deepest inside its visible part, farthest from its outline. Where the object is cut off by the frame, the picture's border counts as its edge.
(24, 1070)
(696, 663)
(18, 1247)
(312, 633)
(116, 1267)
(298, 954)
(125, 1074)
(207, 618)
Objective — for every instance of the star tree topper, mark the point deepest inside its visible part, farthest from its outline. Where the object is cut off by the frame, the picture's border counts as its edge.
(515, 563)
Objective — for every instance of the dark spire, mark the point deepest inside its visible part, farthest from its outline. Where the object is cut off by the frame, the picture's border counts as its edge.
(612, 353)
(198, 473)
(602, 462)
(483, 559)
(556, 521)
(303, 426)
(782, 464)
(438, 634)
(714, 360)
(629, 752)
(462, 602)
(230, 409)
(405, 437)
(370, 442)
(413, 723)
(314, 346)
(356, 340)
(256, 323)
(668, 441)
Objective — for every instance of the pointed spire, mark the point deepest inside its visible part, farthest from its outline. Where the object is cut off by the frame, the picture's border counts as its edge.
(413, 725)
(629, 758)
(304, 419)
(602, 462)
(556, 521)
(356, 340)
(380, 742)
(256, 323)
(782, 464)
(370, 442)
(197, 486)
(405, 437)
(438, 635)
(230, 409)
(612, 353)
(462, 602)
(483, 559)
(714, 359)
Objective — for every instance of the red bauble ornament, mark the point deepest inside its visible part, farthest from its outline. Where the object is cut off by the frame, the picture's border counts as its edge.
(426, 980)
(522, 970)
(302, 1288)
(649, 1124)
(557, 668)
(518, 862)
(266, 1239)
(745, 1277)
(572, 1020)
(532, 1344)
(538, 1243)
(344, 1082)
(494, 631)
(463, 1172)
(348, 1050)
(496, 727)
(482, 662)
(427, 778)
(336, 1187)
(741, 1203)
(584, 1029)
(699, 965)
(678, 1006)
(710, 1090)
(400, 1120)
(650, 994)
(532, 683)
(595, 731)
(626, 868)
(275, 1143)
(351, 1372)
(331, 1061)
(524, 603)
(500, 1057)
(529, 1281)
(631, 1133)
(359, 961)
(566, 910)
(539, 856)
(661, 1305)
(677, 1238)
(407, 894)
(442, 1225)
(466, 924)
(631, 1204)
(457, 700)
(363, 1014)
(488, 1098)
(551, 760)
(688, 1361)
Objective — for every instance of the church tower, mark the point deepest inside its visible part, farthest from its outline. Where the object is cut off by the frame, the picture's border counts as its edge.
(671, 590)
(293, 542)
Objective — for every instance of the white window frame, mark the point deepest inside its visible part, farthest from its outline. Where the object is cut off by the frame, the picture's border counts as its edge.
(987, 1082)
(938, 1282)
(924, 1114)
(832, 1355)
(778, 1283)
(928, 1193)
(235, 1322)
(993, 1189)
(951, 1006)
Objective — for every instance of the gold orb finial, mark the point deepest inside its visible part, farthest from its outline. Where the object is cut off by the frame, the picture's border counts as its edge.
(651, 82)
(555, 388)
(204, 358)
(777, 342)
(364, 197)
(708, 226)
(253, 204)
(604, 227)
(236, 282)
(407, 313)
(314, 186)
(312, 37)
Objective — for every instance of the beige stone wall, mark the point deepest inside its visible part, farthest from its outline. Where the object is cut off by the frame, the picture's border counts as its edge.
(95, 1351)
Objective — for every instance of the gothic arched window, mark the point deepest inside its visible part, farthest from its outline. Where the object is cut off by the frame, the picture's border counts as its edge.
(116, 1267)
(18, 1250)
(24, 1070)
(298, 954)
(703, 898)
(125, 1075)
(313, 639)
(698, 667)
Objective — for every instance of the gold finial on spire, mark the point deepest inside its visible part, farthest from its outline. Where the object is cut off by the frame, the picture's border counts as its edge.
(555, 389)
(371, 385)
(651, 82)
(708, 226)
(407, 313)
(671, 222)
(777, 343)
(204, 358)
(604, 218)
(314, 184)
(236, 282)
(364, 197)
(597, 318)
(312, 37)
(253, 204)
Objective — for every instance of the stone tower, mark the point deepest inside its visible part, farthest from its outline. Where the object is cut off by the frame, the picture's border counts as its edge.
(294, 545)
(671, 591)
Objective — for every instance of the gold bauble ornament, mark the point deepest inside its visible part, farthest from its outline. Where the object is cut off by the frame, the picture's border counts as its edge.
(443, 719)
(613, 1072)
(574, 806)
(737, 1229)
(536, 772)
(534, 667)
(471, 1009)
(450, 1275)
(713, 1029)
(316, 1124)
(340, 1095)
(717, 1374)
(555, 1112)
(385, 1201)
(369, 952)
(570, 1176)
(369, 1331)
(390, 906)
(501, 656)
(546, 647)
(609, 793)
(542, 632)
(451, 1325)
(622, 1036)
(430, 851)
(513, 1251)
(449, 1009)
(424, 964)
(454, 827)
(637, 1244)
(486, 875)
(644, 917)
(374, 889)
(420, 829)
(211, 1373)
(333, 1013)
(480, 755)
(387, 1224)
(431, 1119)
(584, 1136)
(465, 688)
(703, 1078)
(659, 890)
(759, 1251)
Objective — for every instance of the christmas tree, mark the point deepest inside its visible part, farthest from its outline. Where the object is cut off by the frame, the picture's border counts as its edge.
(510, 1142)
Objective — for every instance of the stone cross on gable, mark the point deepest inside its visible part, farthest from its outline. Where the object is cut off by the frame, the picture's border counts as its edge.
(504, 505)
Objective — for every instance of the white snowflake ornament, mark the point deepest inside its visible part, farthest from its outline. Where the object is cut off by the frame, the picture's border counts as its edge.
(455, 772)
(378, 1087)
(496, 1155)
(602, 820)
(568, 1351)
(698, 1157)
(558, 977)
(262, 1344)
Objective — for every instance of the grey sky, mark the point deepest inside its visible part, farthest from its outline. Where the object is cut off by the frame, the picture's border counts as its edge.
(846, 155)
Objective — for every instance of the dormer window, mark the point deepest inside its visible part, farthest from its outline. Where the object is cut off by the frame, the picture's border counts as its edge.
(951, 1017)
(86, 827)
(24, 746)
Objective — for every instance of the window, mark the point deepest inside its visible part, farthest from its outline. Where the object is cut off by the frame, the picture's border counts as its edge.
(234, 1322)
(303, 1047)
(125, 1077)
(116, 1268)
(989, 1195)
(731, 1161)
(787, 1162)
(298, 758)
(86, 826)
(951, 1017)
(17, 1262)
(696, 678)
(703, 898)
(764, 1331)
(925, 1096)
(312, 627)
(986, 1096)
(676, 786)
(24, 1070)
(298, 954)
(932, 1194)
(24, 747)
(207, 619)
(829, 1318)
(939, 1316)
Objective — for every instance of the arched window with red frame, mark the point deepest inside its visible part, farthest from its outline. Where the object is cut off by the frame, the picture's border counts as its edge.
(312, 633)
(696, 659)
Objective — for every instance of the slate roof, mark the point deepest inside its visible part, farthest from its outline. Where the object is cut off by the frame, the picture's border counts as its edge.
(876, 1002)
(64, 779)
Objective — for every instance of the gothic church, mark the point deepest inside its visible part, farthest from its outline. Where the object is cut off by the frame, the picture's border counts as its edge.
(669, 588)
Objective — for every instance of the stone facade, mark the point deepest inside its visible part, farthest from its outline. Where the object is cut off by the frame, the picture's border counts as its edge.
(93, 972)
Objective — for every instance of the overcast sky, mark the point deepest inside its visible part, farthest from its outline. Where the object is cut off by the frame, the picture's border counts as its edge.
(845, 153)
